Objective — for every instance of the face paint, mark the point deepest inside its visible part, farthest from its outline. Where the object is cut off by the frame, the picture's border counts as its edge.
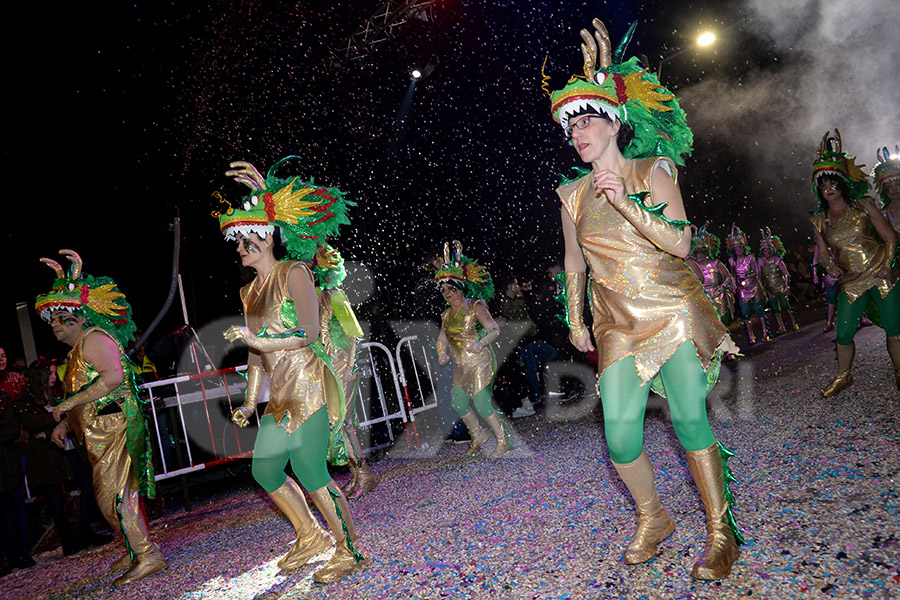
(249, 246)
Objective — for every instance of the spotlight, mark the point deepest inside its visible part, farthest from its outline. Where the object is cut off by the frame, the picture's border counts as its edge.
(416, 74)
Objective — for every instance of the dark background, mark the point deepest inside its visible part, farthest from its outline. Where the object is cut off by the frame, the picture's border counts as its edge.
(122, 114)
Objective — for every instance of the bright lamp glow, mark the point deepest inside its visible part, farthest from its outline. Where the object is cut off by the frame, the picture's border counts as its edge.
(706, 39)
(416, 74)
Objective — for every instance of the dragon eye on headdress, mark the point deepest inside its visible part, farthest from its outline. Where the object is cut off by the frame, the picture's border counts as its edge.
(71, 286)
(599, 77)
(254, 200)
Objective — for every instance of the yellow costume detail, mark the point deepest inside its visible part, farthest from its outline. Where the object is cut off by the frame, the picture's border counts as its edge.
(855, 250)
(772, 278)
(646, 303)
(471, 371)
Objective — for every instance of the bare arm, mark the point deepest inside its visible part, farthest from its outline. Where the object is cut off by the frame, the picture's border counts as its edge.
(103, 353)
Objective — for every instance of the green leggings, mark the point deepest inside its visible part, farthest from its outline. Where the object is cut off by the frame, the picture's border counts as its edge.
(306, 448)
(779, 303)
(849, 313)
(459, 400)
(625, 400)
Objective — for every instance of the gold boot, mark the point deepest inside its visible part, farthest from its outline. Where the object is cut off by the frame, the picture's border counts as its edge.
(476, 431)
(148, 559)
(794, 325)
(499, 430)
(653, 522)
(721, 549)
(844, 379)
(312, 540)
(347, 558)
(365, 482)
(124, 563)
(750, 337)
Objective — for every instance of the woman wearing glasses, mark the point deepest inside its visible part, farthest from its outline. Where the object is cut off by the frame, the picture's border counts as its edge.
(625, 222)
(865, 268)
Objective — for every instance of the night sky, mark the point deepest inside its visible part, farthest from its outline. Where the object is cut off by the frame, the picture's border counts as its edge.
(124, 113)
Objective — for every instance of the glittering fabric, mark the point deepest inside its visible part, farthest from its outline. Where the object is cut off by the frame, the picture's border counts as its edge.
(855, 251)
(472, 372)
(646, 303)
(745, 271)
(83, 420)
(772, 276)
(342, 350)
(296, 377)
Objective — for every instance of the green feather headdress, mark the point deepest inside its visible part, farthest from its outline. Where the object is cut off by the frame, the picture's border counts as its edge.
(465, 273)
(887, 168)
(626, 92)
(97, 299)
(307, 214)
(831, 160)
(702, 238)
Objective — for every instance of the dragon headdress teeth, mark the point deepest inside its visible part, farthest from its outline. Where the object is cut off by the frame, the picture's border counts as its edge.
(832, 161)
(465, 273)
(306, 213)
(625, 91)
(97, 299)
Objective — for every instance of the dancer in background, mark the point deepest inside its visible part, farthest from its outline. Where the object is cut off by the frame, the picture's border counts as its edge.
(283, 220)
(340, 333)
(467, 330)
(625, 221)
(775, 278)
(747, 288)
(712, 273)
(102, 407)
(887, 183)
(866, 269)
(832, 287)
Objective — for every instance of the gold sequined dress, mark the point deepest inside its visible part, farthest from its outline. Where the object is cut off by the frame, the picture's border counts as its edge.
(473, 372)
(772, 277)
(646, 303)
(855, 250)
(300, 383)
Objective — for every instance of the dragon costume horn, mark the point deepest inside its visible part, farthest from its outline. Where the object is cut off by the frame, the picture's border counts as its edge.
(457, 247)
(75, 270)
(246, 173)
(446, 253)
(60, 274)
(278, 164)
(837, 140)
(589, 49)
(623, 44)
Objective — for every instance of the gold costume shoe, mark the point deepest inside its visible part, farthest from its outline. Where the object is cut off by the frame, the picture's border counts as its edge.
(347, 558)
(838, 384)
(653, 521)
(365, 482)
(499, 431)
(144, 565)
(312, 540)
(121, 564)
(721, 548)
(476, 432)
(350, 487)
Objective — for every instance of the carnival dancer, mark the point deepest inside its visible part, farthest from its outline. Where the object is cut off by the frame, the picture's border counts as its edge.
(102, 407)
(866, 269)
(467, 330)
(282, 220)
(340, 333)
(714, 276)
(887, 183)
(625, 220)
(775, 278)
(747, 288)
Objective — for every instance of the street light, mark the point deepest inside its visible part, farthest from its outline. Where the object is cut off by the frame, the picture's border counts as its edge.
(704, 40)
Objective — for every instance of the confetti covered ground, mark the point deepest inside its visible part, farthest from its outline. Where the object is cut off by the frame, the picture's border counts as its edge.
(817, 496)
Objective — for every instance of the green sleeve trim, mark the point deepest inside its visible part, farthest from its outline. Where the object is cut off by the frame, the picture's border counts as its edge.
(288, 334)
(656, 211)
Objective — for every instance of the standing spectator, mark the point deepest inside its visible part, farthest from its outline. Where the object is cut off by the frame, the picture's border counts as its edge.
(516, 304)
(13, 525)
(10, 381)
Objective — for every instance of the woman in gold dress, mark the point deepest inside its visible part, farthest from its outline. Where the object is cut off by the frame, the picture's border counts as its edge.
(282, 331)
(865, 267)
(625, 222)
(467, 330)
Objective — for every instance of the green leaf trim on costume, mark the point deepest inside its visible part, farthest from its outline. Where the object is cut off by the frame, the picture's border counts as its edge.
(280, 336)
(729, 498)
(577, 173)
(656, 211)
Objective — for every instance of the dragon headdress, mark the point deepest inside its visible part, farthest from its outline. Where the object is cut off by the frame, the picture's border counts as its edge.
(831, 160)
(887, 168)
(626, 92)
(97, 299)
(773, 242)
(702, 238)
(737, 238)
(306, 213)
(465, 273)
(328, 268)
